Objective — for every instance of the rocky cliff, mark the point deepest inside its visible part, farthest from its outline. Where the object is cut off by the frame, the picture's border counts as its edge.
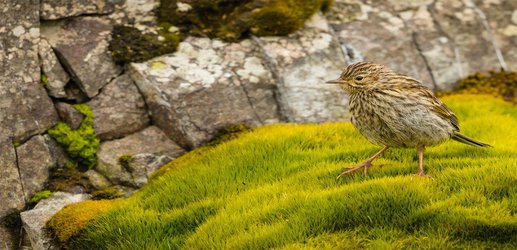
(55, 54)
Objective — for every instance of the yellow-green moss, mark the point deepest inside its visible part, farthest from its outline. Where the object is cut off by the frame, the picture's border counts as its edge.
(109, 193)
(128, 44)
(81, 144)
(234, 19)
(71, 219)
(124, 160)
(40, 196)
(275, 188)
(500, 83)
(44, 79)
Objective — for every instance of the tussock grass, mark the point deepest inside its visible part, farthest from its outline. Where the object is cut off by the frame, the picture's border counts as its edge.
(276, 187)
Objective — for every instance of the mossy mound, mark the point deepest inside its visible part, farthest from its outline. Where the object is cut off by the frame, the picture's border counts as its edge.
(81, 144)
(232, 19)
(276, 187)
(129, 44)
(500, 83)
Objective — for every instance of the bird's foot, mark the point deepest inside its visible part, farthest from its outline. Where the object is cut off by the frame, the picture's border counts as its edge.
(421, 175)
(364, 165)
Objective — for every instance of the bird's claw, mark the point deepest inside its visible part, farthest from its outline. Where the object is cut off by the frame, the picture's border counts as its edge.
(348, 170)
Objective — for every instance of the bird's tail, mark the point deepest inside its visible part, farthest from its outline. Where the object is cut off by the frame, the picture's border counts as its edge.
(463, 139)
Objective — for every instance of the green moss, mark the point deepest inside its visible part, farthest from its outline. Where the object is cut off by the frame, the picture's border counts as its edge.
(234, 19)
(129, 44)
(81, 144)
(124, 161)
(275, 187)
(109, 193)
(40, 196)
(500, 83)
(44, 79)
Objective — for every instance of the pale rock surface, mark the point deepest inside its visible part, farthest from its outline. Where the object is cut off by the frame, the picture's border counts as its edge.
(150, 141)
(35, 220)
(303, 62)
(56, 9)
(205, 86)
(82, 47)
(56, 76)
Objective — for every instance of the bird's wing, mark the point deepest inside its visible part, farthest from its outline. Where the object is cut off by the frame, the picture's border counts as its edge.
(440, 108)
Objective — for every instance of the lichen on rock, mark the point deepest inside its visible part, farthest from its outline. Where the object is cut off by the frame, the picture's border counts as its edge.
(81, 144)
(232, 19)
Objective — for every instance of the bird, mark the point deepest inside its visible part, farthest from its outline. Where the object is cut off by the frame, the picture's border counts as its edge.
(396, 111)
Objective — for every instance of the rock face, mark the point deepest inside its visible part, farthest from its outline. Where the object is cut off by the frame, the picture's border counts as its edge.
(55, 9)
(149, 141)
(377, 33)
(34, 221)
(11, 190)
(35, 160)
(142, 166)
(25, 108)
(205, 86)
(55, 76)
(303, 62)
(119, 110)
(82, 46)
(69, 115)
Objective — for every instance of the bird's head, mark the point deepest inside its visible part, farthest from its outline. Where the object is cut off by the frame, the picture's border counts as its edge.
(362, 76)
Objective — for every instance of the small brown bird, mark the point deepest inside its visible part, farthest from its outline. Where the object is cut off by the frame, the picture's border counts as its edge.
(396, 111)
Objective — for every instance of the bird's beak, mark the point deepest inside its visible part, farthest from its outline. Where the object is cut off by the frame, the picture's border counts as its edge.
(337, 81)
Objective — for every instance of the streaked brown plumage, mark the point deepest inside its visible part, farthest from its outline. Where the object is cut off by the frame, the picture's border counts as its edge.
(397, 111)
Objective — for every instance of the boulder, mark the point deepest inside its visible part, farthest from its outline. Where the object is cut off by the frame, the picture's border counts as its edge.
(114, 155)
(376, 32)
(97, 180)
(55, 77)
(56, 9)
(25, 108)
(11, 190)
(35, 220)
(69, 115)
(7, 238)
(304, 61)
(205, 86)
(82, 47)
(35, 160)
(141, 166)
(119, 109)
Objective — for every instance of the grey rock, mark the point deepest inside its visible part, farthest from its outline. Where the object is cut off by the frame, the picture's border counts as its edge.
(69, 115)
(150, 140)
(304, 61)
(141, 166)
(82, 47)
(35, 220)
(471, 41)
(56, 76)
(205, 86)
(501, 17)
(56, 9)
(74, 93)
(119, 109)
(25, 108)
(141, 11)
(97, 180)
(378, 33)
(58, 153)
(11, 190)
(34, 162)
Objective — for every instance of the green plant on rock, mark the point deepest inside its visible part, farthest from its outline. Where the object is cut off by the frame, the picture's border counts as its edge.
(231, 20)
(40, 196)
(81, 144)
(497, 83)
(128, 44)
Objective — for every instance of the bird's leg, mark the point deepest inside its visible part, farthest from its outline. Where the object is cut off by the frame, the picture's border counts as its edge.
(421, 160)
(366, 164)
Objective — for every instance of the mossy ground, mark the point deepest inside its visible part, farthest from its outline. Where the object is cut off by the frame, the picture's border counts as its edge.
(276, 187)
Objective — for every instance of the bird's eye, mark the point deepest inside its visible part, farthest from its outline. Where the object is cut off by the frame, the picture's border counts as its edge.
(358, 78)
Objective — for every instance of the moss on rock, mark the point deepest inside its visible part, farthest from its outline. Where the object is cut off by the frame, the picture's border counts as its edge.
(108, 193)
(40, 196)
(232, 19)
(129, 44)
(494, 83)
(81, 144)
